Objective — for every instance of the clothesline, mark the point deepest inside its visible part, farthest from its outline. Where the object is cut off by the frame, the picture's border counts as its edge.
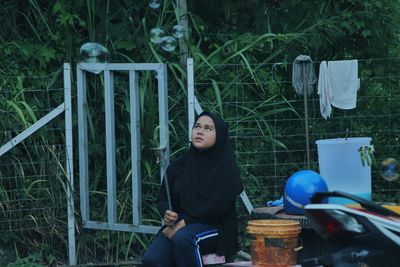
(314, 62)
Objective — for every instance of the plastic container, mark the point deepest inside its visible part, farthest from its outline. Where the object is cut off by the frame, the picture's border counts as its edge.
(341, 166)
(274, 243)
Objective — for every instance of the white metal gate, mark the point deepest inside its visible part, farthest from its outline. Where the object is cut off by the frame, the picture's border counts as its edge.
(109, 70)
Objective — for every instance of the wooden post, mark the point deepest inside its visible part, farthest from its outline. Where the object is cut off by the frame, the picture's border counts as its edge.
(305, 92)
(183, 20)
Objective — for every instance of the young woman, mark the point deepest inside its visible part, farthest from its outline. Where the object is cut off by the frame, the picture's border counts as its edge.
(204, 184)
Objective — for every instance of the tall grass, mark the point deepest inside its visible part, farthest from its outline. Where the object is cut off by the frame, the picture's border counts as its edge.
(32, 192)
(229, 69)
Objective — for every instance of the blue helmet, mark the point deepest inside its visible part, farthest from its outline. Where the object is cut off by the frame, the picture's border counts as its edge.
(299, 188)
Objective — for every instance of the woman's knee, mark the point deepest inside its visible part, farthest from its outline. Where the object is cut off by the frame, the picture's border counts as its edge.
(148, 261)
(182, 239)
(152, 259)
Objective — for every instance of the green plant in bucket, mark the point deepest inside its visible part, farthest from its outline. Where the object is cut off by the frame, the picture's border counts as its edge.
(388, 169)
(367, 155)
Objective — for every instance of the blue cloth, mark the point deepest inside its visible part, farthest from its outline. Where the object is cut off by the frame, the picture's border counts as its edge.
(275, 203)
(183, 249)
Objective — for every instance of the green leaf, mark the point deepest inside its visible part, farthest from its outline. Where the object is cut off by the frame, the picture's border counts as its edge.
(217, 93)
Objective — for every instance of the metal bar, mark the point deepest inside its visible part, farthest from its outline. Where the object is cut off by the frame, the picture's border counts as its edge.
(122, 227)
(163, 122)
(163, 118)
(110, 145)
(193, 103)
(121, 66)
(191, 97)
(83, 144)
(197, 106)
(135, 147)
(246, 202)
(69, 164)
(114, 264)
(31, 129)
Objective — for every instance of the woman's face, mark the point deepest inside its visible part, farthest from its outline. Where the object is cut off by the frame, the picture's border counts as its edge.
(203, 133)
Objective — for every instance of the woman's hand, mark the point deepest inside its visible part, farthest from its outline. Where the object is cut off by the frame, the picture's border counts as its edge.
(170, 231)
(170, 217)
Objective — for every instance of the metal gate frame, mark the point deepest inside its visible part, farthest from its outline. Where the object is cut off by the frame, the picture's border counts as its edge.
(109, 69)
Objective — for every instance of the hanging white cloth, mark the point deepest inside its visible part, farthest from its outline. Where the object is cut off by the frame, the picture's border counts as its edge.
(337, 85)
(343, 76)
(324, 91)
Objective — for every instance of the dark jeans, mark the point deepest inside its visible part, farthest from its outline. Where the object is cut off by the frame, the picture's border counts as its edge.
(184, 249)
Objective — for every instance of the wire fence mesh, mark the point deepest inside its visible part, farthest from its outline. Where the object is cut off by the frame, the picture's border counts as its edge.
(267, 125)
(32, 178)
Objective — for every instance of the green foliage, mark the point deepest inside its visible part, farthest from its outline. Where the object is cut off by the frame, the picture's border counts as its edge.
(330, 29)
(233, 44)
(33, 260)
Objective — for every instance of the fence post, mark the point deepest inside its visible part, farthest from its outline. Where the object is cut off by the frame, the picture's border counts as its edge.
(69, 163)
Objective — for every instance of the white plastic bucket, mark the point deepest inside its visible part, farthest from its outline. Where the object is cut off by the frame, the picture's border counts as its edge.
(341, 166)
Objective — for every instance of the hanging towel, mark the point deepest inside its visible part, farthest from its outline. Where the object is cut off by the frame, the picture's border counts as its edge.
(337, 85)
(343, 77)
(324, 91)
(300, 64)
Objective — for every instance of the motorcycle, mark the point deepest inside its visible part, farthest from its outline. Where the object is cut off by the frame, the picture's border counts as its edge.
(357, 233)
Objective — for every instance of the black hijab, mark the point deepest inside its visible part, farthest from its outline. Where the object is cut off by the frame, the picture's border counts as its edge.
(210, 179)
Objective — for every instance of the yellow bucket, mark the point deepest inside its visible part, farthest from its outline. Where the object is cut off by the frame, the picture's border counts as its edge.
(273, 242)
